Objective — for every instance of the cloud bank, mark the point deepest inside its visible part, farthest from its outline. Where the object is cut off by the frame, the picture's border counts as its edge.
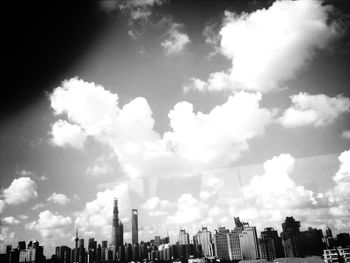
(316, 110)
(196, 141)
(269, 46)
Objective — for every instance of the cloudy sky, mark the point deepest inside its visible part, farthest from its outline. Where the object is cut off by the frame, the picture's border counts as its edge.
(190, 112)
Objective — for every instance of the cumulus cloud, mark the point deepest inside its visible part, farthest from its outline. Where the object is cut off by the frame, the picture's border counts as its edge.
(98, 169)
(316, 110)
(339, 195)
(67, 134)
(50, 225)
(10, 221)
(195, 142)
(175, 41)
(275, 189)
(221, 135)
(188, 210)
(38, 206)
(20, 190)
(156, 207)
(7, 237)
(269, 46)
(342, 177)
(96, 218)
(58, 198)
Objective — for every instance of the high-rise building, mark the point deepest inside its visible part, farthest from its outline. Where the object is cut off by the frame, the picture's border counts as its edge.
(63, 254)
(248, 240)
(117, 227)
(221, 243)
(204, 238)
(134, 224)
(312, 242)
(75, 251)
(157, 241)
(343, 239)
(269, 232)
(291, 239)
(267, 249)
(328, 239)
(34, 253)
(234, 245)
(238, 223)
(184, 238)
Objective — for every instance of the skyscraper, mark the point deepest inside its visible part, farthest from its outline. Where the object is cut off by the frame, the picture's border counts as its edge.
(291, 239)
(221, 243)
(248, 240)
(135, 229)
(269, 232)
(204, 238)
(184, 238)
(117, 227)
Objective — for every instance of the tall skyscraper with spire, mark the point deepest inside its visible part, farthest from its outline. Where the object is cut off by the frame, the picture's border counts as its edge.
(135, 228)
(117, 227)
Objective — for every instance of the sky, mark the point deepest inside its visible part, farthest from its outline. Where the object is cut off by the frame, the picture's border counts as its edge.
(191, 112)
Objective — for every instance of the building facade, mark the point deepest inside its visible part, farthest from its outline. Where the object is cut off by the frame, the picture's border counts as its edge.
(134, 226)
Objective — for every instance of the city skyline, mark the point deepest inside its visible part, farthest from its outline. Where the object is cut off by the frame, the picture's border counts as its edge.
(241, 243)
(190, 113)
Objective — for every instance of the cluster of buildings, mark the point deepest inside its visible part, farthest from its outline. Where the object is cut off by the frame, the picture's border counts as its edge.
(239, 244)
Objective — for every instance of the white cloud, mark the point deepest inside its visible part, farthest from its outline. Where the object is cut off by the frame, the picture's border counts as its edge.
(342, 177)
(58, 198)
(20, 190)
(275, 189)
(175, 41)
(156, 207)
(195, 142)
(188, 210)
(221, 135)
(317, 110)
(7, 237)
(67, 134)
(339, 195)
(97, 215)
(10, 221)
(50, 225)
(346, 134)
(269, 46)
(99, 169)
(38, 206)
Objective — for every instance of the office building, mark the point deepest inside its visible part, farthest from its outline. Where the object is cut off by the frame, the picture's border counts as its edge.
(291, 238)
(267, 249)
(312, 242)
(204, 239)
(117, 227)
(234, 245)
(33, 254)
(134, 226)
(63, 254)
(221, 243)
(269, 232)
(184, 238)
(248, 241)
